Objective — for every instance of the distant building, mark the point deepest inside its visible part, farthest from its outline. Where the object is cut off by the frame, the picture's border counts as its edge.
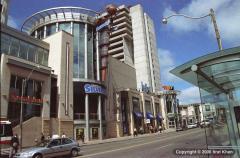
(190, 113)
(146, 59)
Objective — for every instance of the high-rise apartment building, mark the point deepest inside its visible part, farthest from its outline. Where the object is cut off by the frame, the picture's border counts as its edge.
(145, 50)
(121, 39)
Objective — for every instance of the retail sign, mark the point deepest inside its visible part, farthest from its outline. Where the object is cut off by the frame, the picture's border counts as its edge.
(25, 99)
(168, 87)
(147, 120)
(92, 88)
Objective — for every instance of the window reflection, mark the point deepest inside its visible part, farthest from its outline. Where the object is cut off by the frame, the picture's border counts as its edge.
(65, 26)
(21, 49)
(50, 29)
(31, 106)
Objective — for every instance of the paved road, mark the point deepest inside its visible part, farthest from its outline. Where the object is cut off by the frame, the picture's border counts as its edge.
(154, 146)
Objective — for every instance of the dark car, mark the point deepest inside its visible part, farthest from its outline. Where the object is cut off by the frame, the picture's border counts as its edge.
(52, 148)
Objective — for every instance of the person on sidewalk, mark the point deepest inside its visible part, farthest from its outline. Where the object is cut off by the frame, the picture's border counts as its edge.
(63, 135)
(82, 137)
(160, 128)
(42, 139)
(135, 132)
(14, 146)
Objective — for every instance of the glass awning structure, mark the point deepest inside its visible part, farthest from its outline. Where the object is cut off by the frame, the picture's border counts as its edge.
(58, 14)
(215, 72)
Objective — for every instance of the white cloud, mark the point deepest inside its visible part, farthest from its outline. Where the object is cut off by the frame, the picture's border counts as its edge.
(189, 95)
(12, 22)
(167, 63)
(227, 16)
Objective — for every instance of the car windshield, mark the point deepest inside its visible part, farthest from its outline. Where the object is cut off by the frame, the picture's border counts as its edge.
(43, 144)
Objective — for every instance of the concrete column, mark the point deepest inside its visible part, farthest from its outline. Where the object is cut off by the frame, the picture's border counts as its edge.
(57, 27)
(71, 28)
(35, 33)
(85, 52)
(86, 132)
(131, 119)
(154, 110)
(98, 56)
(45, 31)
(100, 117)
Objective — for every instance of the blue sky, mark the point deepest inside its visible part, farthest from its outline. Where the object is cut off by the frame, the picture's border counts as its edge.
(179, 41)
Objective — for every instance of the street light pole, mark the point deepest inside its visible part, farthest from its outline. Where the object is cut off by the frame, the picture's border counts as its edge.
(213, 18)
(24, 82)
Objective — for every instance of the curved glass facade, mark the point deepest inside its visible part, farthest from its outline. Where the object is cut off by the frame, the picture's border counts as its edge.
(79, 36)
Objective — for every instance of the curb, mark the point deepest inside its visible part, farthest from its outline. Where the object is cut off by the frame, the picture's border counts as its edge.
(121, 138)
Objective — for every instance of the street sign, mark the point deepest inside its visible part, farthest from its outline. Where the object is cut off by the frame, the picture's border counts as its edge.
(103, 25)
(147, 121)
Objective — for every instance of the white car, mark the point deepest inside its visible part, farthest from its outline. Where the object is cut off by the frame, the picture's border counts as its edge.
(205, 123)
(192, 125)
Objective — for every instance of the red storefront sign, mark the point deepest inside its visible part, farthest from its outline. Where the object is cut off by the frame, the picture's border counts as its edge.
(25, 99)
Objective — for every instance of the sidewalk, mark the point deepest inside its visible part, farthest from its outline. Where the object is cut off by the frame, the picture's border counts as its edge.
(123, 138)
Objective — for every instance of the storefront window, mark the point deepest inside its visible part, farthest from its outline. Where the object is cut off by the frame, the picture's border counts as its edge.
(31, 98)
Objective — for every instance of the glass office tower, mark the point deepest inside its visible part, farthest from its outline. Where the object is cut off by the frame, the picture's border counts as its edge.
(88, 103)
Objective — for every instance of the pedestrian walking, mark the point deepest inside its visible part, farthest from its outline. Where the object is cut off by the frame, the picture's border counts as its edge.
(82, 137)
(160, 128)
(42, 139)
(63, 135)
(14, 145)
(135, 132)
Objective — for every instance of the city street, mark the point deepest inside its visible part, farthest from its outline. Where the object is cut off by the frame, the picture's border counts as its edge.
(162, 145)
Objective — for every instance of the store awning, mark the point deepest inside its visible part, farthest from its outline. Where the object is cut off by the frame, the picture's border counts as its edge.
(138, 114)
(149, 115)
(159, 117)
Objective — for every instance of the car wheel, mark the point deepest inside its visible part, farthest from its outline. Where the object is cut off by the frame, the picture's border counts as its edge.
(74, 152)
(37, 156)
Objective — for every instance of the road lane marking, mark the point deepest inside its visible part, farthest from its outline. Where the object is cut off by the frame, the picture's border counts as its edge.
(157, 148)
(133, 146)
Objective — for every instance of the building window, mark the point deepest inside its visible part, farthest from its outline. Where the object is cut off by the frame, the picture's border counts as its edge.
(31, 98)
(23, 50)
(136, 105)
(148, 106)
(65, 26)
(5, 43)
(207, 107)
(50, 29)
(78, 50)
(15, 47)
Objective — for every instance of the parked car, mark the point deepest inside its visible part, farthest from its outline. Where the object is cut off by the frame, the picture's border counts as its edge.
(52, 148)
(179, 129)
(192, 125)
(205, 123)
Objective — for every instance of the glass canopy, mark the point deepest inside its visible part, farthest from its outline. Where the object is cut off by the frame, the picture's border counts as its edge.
(218, 77)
